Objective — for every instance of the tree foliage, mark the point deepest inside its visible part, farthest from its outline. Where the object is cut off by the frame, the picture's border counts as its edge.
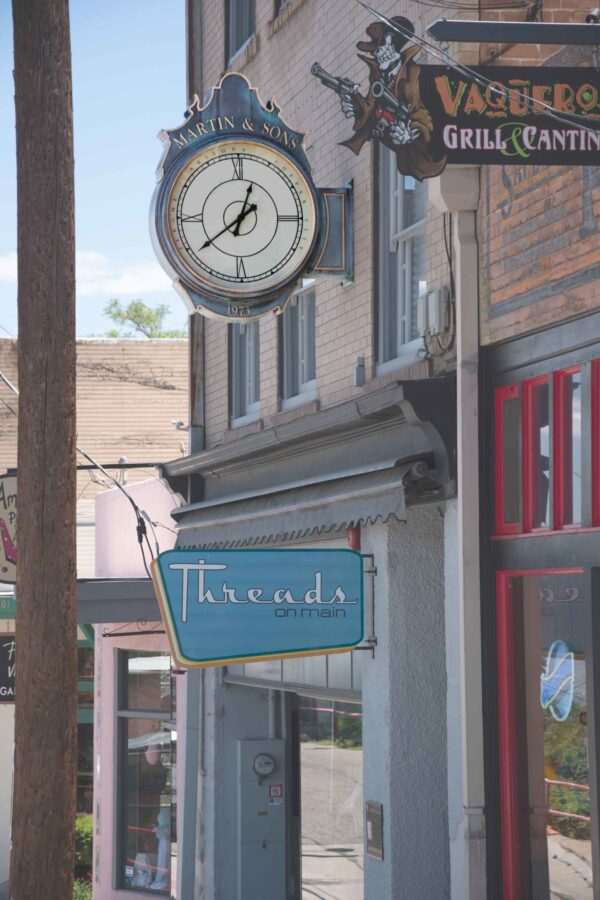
(143, 319)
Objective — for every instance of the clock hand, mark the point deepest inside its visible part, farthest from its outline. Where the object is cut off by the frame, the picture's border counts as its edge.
(236, 230)
(239, 218)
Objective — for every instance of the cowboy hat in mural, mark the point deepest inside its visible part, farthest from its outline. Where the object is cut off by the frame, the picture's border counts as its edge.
(392, 111)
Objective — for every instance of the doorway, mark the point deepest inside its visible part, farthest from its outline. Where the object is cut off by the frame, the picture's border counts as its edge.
(331, 766)
(548, 812)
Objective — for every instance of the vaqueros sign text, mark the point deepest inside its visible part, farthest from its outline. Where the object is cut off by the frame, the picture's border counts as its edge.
(231, 606)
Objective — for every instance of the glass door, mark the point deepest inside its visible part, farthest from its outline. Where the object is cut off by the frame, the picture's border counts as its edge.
(543, 627)
(331, 762)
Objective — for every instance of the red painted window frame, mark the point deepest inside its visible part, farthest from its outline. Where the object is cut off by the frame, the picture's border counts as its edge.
(529, 445)
(595, 414)
(501, 395)
(562, 462)
(514, 864)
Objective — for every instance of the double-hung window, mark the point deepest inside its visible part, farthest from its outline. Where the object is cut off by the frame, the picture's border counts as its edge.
(241, 20)
(297, 348)
(147, 741)
(244, 368)
(402, 263)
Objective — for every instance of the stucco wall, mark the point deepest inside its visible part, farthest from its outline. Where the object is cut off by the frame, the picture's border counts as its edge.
(404, 709)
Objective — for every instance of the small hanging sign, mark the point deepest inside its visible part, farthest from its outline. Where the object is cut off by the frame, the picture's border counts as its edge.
(8, 529)
(7, 668)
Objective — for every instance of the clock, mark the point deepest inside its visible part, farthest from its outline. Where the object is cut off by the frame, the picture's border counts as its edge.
(263, 765)
(241, 217)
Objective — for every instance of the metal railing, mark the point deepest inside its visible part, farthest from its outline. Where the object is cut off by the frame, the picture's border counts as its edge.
(570, 785)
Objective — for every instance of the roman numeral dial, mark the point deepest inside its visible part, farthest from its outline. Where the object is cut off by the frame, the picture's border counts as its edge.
(243, 218)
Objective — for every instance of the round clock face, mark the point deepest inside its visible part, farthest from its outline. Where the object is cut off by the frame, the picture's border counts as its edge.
(263, 764)
(242, 218)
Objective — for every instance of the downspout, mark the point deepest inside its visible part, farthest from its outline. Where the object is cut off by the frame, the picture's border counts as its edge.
(456, 191)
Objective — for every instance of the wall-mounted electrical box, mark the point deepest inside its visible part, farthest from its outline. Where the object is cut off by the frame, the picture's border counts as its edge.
(432, 312)
(262, 804)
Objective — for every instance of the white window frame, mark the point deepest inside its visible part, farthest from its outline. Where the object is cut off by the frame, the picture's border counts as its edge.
(244, 372)
(395, 289)
(236, 9)
(297, 348)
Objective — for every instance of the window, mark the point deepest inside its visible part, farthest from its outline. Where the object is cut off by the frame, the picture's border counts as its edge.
(146, 772)
(402, 261)
(244, 367)
(240, 24)
(542, 425)
(297, 348)
(567, 447)
(280, 5)
(536, 454)
(508, 459)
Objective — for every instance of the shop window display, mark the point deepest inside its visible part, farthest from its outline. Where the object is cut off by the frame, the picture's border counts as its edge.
(147, 786)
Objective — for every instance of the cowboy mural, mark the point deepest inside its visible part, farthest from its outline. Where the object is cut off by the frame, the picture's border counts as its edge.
(392, 111)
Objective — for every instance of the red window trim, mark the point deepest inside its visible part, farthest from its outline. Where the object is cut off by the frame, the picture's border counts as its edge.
(529, 442)
(596, 442)
(502, 394)
(562, 500)
(512, 856)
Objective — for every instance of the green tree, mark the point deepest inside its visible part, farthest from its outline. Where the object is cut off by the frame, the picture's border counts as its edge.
(144, 319)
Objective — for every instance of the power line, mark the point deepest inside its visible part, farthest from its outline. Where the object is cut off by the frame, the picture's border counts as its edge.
(494, 7)
(141, 515)
(475, 76)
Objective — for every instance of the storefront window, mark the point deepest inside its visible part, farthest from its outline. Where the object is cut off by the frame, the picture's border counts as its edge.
(545, 783)
(149, 683)
(147, 767)
(332, 799)
(508, 459)
(536, 452)
(567, 387)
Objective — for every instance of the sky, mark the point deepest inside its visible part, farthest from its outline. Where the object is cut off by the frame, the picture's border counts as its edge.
(128, 83)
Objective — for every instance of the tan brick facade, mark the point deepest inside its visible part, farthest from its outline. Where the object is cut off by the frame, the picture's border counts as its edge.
(128, 392)
(538, 225)
(277, 61)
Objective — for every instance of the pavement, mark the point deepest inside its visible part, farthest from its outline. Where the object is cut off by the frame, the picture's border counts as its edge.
(570, 866)
(332, 822)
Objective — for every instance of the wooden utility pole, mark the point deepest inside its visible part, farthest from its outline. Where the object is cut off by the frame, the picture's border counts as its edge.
(43, 814)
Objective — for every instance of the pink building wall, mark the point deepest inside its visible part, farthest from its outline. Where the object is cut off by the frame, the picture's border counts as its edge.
(118, 556)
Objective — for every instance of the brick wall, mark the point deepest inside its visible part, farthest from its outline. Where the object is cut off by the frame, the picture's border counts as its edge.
(539, 227)
(128, 392)
(277, 62)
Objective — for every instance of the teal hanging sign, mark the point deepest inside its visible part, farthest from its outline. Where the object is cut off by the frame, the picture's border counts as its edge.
(232, 606)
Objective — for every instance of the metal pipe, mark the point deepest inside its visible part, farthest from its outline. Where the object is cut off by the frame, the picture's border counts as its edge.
(271, 714)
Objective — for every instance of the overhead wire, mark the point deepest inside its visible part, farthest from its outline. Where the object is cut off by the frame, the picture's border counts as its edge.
(141, 515)
(474, 7)
(482, 80)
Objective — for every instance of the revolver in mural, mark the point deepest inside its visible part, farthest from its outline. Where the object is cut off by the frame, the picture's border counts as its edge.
(391, 111)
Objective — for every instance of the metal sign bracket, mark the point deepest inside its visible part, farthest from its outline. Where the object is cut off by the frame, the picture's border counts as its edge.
(369, 641)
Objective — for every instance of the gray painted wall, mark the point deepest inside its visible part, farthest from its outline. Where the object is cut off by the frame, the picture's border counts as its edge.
(404, 711)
